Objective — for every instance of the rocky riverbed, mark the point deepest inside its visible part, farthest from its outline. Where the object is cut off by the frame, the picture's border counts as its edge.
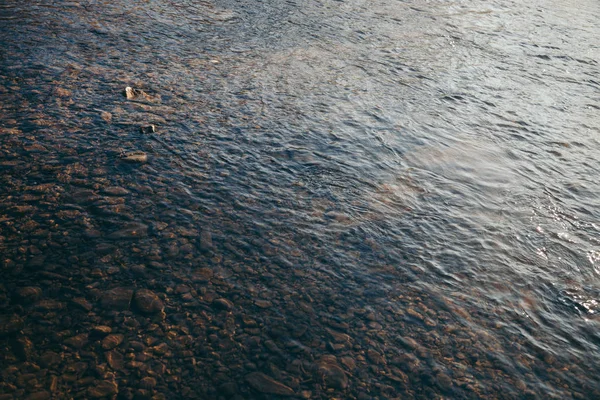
(205, 201)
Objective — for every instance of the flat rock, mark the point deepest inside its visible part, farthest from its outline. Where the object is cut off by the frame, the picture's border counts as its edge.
(115, 191)
(147, 302)
(265, 384)
(117, 299)
(135, 157)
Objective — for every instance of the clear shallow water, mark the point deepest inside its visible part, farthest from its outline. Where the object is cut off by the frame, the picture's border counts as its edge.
(417, 176)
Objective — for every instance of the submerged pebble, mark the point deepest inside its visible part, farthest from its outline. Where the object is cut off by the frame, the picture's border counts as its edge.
(135, 157)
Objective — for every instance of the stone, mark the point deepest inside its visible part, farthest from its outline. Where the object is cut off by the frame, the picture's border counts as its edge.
(49, 305)
(444, 382)
(202, 275)
(148, 383)
(82, 304)
(148, 129)
(132, 93)
(130, 231)
(114, 359)
(228, 389)
(112, 341)
(135, 157)
(101, 330)
(375, 357)
(263, 303)
(38, 396)
(102, 389)
(29, 294)
(115, 191)
(206, 243)
(223, 304)
(161, 349)
(265, 384)
(10, 324)
(338, 337)
(147, 302)
(78, 341)
(50, 358)
(22, 348)
(332, 374)
(117, 299)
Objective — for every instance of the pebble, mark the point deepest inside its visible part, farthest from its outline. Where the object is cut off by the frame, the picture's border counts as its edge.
(114, 359)
(375, 357)
(147, 302)
(29, 294)
(130, 231)
(132, 93)
(78, 341)
(112, 341)
(202, 275)
(38, 396)
(135, 157)
(332, 374)
(148, 129)
(115, 191)
(263, 303)
(148, 383)
(223, 304)
(117, 299)
(103, 389)
(265, 384)
(82, 303)
(101, 330)
(10, 324)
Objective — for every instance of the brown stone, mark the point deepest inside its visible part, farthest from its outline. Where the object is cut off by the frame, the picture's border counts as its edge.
(101, 330)
(114, 359)
(82, 303)
(38, 396)
(117, 299)
(78, 341)
(148, 383)
(29, 294)
(223, 304)
(103, 389)
(332, 375)
(147, 302)
(202, 275)
(112, 341)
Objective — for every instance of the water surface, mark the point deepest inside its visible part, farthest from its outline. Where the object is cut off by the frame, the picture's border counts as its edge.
(342, 199)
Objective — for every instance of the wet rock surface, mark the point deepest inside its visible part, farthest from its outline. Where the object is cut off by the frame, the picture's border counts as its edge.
(243, 261)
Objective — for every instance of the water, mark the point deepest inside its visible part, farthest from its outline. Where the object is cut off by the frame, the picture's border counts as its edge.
(380, 199)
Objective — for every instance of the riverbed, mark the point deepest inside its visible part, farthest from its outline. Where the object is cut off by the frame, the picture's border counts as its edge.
(330, 199)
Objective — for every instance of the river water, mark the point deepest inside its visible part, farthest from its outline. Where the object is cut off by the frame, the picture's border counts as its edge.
(342, 199)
